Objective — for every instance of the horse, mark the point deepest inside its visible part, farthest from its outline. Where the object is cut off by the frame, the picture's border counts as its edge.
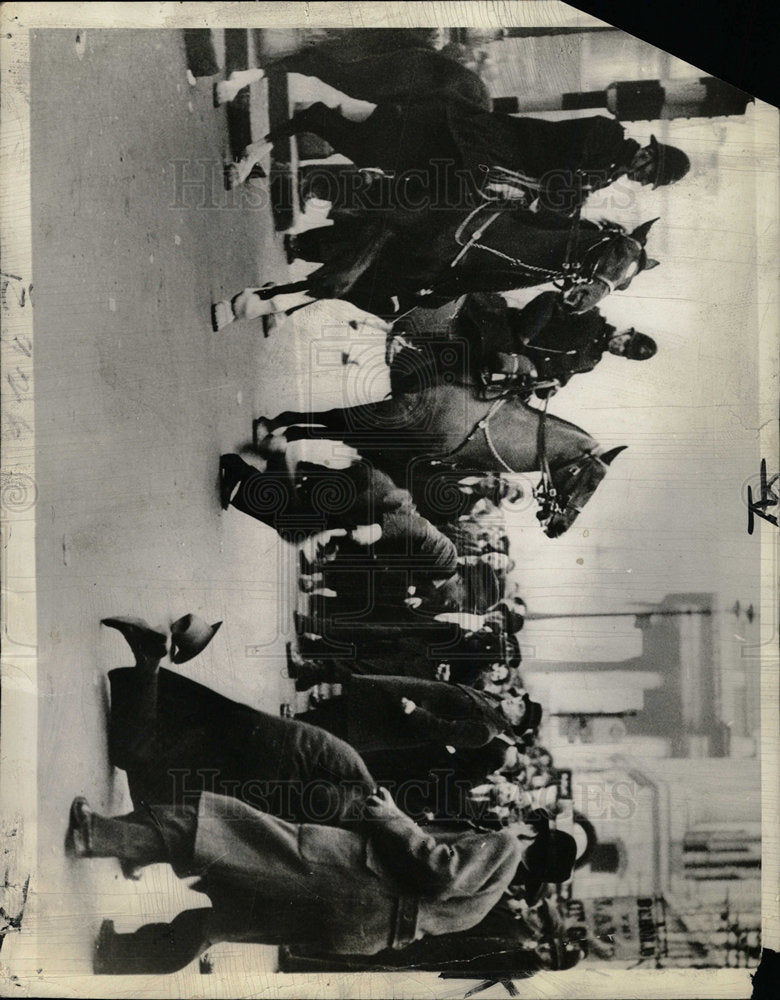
(399, 75)
(427, 439)
(390, 263)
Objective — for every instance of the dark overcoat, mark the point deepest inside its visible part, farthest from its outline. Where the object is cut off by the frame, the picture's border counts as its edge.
(204, 741)
(559, 343)
(552, 154)
(447, 714)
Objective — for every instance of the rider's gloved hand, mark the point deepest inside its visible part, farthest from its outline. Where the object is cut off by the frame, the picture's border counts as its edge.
(546, 389)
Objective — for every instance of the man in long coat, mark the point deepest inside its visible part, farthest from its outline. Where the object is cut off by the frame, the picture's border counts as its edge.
(273, 882)
(176, 739)
(559, 162)
(376, 713)
(453, 151)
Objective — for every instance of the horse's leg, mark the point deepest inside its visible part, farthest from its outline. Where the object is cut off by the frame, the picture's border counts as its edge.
(346, 136)
(386, 76)
(322, 243)
(228, 90)
(318, 118)
(376, 78)
(340, 422)
(253, 303)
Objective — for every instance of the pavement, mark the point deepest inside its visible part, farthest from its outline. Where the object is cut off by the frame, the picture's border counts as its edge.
(136, 398)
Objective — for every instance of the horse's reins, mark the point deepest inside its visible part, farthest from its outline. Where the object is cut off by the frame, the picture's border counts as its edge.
(483, 424)
(472, 243)
(545, 493)
(571, 272)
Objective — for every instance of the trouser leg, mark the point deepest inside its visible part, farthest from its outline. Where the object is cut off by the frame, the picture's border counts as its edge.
(330, 715)
(265, 495)
(146, 836)
(154, 948)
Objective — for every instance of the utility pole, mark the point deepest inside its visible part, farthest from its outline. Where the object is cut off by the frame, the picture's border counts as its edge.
(641, 100)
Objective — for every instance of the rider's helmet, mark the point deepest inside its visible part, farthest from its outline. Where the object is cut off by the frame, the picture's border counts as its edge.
(639, 347)
(671, 164)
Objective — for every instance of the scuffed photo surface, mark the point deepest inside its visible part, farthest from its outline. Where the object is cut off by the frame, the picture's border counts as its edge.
(417, 458)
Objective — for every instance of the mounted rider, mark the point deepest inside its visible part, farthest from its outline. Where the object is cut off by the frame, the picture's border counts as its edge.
(561, 344)
(455, 154)
(556, 165)
(542, 345)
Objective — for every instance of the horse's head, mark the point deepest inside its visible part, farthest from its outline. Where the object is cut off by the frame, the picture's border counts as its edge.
(574, 484)
(611, 262)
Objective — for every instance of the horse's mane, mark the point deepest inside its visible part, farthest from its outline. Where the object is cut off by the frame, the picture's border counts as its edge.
(608, 226)
(551, 224)
(517, 401)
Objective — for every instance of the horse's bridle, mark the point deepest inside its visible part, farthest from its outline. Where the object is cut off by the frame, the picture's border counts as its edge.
(545, 492)
(586, 274)
(571, 272)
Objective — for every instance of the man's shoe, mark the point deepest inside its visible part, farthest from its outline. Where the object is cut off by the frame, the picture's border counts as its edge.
(78, 839)
(103, 952)
(146, 643)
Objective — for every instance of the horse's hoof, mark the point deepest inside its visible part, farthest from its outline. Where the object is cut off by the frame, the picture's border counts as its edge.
(130, 871)
(236, 174)
(222, 315)
(290, 248)
(261, 429)
(224, 93)
(250, 164)
(232, 176)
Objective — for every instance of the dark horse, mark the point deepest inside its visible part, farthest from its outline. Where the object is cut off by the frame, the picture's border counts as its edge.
(421, 439)
(398, 76)
(390, 263)
(388, 76)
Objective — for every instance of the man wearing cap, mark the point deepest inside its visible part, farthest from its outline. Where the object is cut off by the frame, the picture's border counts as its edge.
(542, 345)
(375, 713)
